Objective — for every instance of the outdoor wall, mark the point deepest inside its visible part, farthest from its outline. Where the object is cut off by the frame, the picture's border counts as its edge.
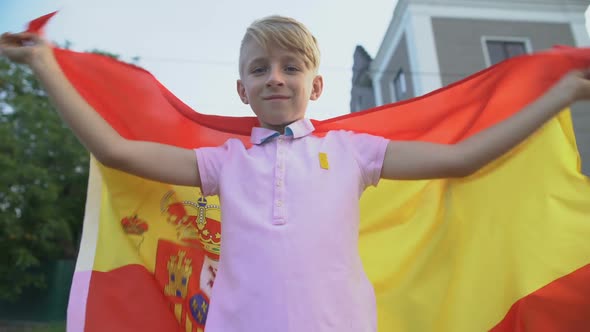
(362, 96)
(581, 119)
(399, 60)
(459, 41)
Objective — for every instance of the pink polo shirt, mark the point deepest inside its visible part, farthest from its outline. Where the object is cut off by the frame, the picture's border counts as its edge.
(289, 250)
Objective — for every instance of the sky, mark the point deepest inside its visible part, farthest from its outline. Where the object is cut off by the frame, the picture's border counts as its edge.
(192, 46)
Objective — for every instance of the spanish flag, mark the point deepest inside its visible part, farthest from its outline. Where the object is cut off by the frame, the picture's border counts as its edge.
(506, 249)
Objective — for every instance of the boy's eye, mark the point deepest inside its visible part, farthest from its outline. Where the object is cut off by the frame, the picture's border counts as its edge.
(291, 69)
(258, 70)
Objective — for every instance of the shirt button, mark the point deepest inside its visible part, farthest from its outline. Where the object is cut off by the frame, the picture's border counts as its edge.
(279, 203)
(279, 221)
(279, 183)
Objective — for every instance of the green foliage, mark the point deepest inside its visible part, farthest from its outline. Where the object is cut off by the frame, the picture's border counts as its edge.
(54, 327)
(42, 183)
(134, 60)
(105, 53)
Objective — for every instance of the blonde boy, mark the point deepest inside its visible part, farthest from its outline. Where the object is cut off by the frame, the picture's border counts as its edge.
(290, 220)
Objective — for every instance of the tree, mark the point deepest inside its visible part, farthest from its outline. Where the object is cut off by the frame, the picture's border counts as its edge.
(43, 178)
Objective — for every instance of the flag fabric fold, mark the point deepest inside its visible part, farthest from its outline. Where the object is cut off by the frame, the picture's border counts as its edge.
(505, 249)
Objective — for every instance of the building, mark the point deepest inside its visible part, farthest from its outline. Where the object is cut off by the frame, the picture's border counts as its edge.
(362, 94)
(432, 43)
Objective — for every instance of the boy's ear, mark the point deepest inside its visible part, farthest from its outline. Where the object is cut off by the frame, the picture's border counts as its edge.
(317, 87)
(242, 91)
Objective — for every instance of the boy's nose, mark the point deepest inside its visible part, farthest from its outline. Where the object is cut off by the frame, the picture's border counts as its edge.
(275, 78)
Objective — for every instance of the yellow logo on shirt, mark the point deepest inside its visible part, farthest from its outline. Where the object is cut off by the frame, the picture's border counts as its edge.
(324, 160)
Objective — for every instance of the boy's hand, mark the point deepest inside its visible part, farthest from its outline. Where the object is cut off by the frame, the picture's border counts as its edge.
(575, 85)
(23, 47)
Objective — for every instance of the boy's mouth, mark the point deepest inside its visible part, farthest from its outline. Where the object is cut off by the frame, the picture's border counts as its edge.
(276, 97)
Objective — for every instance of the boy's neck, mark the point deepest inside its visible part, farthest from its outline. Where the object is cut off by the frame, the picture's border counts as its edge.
(279, 128)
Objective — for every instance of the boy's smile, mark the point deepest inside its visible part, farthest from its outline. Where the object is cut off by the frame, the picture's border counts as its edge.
(276, 97)
(277, 84)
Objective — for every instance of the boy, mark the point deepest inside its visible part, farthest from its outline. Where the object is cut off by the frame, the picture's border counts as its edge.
(298, 259)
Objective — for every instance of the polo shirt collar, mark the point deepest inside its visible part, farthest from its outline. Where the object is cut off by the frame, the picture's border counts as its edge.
(297, 129)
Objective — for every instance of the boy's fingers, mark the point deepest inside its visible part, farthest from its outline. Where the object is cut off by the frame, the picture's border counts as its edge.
(580, 73)
(25, 35)
(21, 39)
(9, 37)
(5, 37)
(21, 36)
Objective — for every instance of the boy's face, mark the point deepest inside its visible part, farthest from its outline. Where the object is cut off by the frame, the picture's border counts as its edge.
(277, 84)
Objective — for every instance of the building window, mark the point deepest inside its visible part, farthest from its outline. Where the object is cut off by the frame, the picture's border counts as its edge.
(399, 85)
(497, 50)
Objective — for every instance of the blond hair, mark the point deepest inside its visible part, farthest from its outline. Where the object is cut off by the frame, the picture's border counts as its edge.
(286, 33)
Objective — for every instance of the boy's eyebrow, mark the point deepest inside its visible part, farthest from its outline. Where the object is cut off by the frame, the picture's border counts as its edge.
(283, 58)
(257, 60)
(293, 58)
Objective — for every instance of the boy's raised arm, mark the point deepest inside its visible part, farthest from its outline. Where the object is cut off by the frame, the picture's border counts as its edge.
(146, 159)
(422, 160)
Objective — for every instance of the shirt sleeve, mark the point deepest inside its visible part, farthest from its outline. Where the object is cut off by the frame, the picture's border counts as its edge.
(210, 161)
(369, 153)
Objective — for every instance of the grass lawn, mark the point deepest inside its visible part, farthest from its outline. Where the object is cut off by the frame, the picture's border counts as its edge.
(34, 327)
(53, 327)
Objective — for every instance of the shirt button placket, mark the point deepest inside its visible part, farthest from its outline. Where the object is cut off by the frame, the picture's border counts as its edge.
(279, 202)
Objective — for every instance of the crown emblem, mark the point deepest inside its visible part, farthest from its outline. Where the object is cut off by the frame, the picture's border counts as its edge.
(192, 224)
(179, 273)
(132, 225)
